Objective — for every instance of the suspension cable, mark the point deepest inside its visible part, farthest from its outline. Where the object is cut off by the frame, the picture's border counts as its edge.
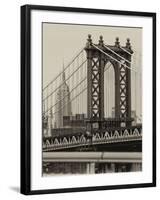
(71, 100)
(117, 54)
(113, 58)
(64, 69)
(125, 50)
(64, 81)
(70, 93)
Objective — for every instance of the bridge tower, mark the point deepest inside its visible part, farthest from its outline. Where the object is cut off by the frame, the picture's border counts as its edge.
(97, 57)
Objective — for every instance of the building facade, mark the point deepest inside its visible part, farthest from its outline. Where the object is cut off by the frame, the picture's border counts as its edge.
(63, 103)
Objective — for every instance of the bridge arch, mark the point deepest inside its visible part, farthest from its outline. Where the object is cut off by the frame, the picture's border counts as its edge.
(109, 90)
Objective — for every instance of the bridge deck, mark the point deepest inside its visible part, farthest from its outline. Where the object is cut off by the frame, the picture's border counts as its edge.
(115, 157)
(97, 138)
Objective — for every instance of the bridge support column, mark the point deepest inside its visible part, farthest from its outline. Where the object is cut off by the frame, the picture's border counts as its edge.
(106, 168)
(90, 168)
(49, 128)
(109, 168)
(136, 167)
(112, 167)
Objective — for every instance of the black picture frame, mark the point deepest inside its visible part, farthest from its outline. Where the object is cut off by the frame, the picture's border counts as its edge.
(26, 98)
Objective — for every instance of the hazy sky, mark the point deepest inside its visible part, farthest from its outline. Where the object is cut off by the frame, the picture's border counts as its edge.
(61, 42)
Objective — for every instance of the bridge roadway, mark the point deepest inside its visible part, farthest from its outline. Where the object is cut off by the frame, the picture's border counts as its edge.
(107, 157)
(94, 162)
(122, 139)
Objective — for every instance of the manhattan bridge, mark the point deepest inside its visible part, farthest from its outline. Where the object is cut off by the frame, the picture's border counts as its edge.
(87, 107)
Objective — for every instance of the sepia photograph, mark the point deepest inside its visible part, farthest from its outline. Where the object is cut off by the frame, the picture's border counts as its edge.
(91, 99)
(88, 104)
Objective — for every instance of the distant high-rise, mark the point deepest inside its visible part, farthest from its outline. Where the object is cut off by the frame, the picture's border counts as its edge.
(63, 103)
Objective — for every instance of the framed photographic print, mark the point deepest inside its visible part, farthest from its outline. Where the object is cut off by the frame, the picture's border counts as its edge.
(88, 99)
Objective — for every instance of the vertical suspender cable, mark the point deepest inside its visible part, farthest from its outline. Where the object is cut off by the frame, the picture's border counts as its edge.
(108, 94)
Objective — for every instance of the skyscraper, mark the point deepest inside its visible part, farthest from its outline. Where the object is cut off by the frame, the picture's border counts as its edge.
(63, 103)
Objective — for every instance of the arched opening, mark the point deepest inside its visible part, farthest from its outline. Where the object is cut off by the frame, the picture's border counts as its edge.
(109, 91)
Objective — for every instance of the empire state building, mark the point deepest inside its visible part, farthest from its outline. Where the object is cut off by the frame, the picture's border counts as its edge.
(63, 103)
